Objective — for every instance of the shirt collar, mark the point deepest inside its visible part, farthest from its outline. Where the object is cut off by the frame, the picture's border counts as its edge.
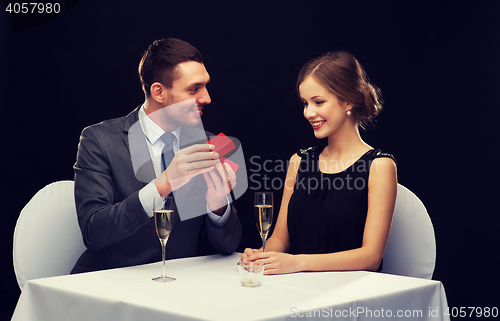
(152, 131)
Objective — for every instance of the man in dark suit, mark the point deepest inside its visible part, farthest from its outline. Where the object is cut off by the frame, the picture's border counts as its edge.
(119, 170)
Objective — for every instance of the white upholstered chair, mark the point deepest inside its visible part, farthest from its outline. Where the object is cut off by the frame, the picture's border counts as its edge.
(47, 239)
(411, 248)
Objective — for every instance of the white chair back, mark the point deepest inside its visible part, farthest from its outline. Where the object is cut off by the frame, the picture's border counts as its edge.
(47, 238)
(411, 248)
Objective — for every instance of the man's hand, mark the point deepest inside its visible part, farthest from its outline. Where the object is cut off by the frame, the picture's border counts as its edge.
(187, 163)
(220, 181)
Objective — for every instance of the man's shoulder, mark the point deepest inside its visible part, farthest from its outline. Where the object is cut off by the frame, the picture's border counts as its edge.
(113, 125)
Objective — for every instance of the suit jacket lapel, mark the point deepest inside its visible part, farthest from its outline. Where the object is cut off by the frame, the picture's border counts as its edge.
(135, 141)
(130, 120)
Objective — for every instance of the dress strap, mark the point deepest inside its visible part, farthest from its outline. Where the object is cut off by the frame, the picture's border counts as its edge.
(311, 151)
(314, 151)
(377, 153)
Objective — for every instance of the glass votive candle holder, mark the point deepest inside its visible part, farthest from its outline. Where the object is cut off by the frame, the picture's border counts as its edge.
(251, 273)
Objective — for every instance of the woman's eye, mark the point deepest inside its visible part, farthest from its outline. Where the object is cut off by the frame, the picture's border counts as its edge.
(320, 102)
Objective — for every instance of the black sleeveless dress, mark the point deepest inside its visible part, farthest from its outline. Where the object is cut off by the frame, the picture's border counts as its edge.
(327, 212)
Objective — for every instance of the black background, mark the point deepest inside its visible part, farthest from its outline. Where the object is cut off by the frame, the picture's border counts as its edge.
(436, 63)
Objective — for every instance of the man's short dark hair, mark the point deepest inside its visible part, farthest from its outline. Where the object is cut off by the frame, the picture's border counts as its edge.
(159, 62)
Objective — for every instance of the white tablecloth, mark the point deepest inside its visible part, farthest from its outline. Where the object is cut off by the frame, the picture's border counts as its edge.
(208, 288)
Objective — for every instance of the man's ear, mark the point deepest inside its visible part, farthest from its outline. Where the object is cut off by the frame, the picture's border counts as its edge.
(158, 92)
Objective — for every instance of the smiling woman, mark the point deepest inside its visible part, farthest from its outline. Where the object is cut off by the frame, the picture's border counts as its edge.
(334, 218)
(341, 74)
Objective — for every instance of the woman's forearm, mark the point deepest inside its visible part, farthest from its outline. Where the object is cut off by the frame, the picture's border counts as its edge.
(352, 260)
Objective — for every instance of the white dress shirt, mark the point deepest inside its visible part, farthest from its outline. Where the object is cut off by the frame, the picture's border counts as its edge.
(153, 133)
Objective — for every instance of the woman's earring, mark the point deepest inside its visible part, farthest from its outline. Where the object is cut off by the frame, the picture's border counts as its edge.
(348, 113)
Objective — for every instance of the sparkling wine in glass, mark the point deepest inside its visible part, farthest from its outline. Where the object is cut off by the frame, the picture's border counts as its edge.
(263, 209)
(163, 210)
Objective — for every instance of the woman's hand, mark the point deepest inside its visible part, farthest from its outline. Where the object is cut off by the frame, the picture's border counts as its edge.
(276, 262)
(249, 255)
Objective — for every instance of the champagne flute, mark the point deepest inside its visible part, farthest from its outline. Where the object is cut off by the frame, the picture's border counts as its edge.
(263, 209)
(163, 210)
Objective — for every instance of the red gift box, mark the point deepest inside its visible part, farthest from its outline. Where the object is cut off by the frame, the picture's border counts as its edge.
(223, 145)
(233, 165)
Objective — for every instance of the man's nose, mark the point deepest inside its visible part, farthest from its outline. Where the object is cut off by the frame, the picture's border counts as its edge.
(204, 98)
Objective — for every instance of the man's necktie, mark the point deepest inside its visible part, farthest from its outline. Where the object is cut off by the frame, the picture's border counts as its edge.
(167, 153)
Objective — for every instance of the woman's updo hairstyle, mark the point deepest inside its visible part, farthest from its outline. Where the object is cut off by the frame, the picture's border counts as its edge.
(341, 73)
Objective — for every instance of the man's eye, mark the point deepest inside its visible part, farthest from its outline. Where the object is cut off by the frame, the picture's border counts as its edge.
(193, 90)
